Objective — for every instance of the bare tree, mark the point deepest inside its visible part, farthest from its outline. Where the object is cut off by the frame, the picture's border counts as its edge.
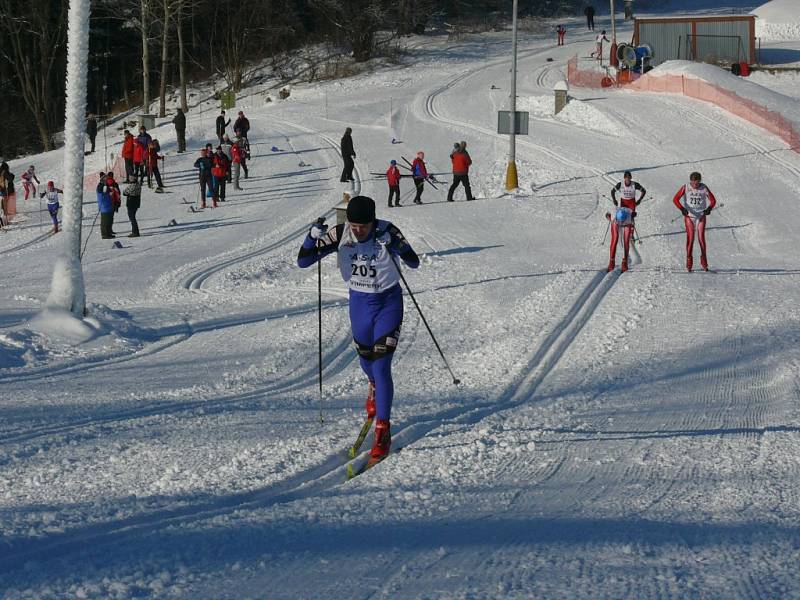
(34, 35)
(357, 22)
(181, 54)
(144, 30)
(162, 92)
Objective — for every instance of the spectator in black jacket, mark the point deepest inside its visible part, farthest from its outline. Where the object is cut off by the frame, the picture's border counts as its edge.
(91, 129)
(589, 12)
(203, 164)
(221, 125)
(180, 129)
(241, 126)
(348, 154)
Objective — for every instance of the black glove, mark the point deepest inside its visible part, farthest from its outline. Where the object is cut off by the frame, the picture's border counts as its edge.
(638, 202)
(707, 211)
(633, 215)
(615, 203)
(684, 212)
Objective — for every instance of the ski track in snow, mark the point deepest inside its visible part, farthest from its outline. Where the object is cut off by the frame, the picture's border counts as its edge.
(638, 442)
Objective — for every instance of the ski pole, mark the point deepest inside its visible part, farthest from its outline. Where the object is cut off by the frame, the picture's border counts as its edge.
(456, 381)
(608, 218)
(320, 221)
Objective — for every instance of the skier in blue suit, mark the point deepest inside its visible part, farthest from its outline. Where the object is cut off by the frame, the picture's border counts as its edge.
(367, 247)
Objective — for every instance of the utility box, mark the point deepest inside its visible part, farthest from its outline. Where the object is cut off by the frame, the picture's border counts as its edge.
(227, 99)
(148, 121)
(561, 88)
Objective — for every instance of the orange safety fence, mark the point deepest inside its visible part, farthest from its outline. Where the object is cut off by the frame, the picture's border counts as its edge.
(695, 88)
(90, 180)
(586, 77)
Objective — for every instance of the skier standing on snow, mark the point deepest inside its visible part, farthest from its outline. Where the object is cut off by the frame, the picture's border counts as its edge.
(367, 247)
(419, 173)
(461, 163)
(561, 31)
(152, 163)
(393, 179)
(348, 154)
(695, 201)
(7, 195)
(598, 45)
(51, 193)
(220, 125)
(624, 216)
(203, 165)
(28, 178)
(238, 161)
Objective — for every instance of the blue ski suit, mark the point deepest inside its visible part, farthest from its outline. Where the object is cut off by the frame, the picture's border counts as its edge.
(376, 300)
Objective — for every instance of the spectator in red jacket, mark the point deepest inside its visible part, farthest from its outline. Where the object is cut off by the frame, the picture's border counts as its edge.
(461, 162)
(393, 178)
(127, 153)
(695, 201)
(239, 163)
(152, 166)
(139, 161)
(219, 170)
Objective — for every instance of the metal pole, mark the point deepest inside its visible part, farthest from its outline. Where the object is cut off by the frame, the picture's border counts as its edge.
(512, 182)
(612, 59)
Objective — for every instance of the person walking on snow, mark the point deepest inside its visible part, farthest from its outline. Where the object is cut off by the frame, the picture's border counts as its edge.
(180, 130)
(221, 124)
(227, 148)
(589, 12)
(28, 179)
(419, 173)
(561, 31)
(393, 179)
(598, 45)
(461, 163)
(51, 193)
(695, 201)
(91, 130)
(239, 163)
(624, 217)
(348, 154)
(367, 247)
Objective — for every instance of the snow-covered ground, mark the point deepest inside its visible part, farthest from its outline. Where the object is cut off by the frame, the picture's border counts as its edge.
(615, 435)
(778, 20)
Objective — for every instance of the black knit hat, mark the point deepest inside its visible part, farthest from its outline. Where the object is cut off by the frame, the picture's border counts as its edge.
(361, 209)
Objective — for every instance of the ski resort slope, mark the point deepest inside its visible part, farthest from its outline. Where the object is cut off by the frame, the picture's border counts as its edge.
(615, 435)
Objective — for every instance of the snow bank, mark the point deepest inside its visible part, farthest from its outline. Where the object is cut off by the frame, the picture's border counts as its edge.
(770, 110)
(778, 20)
(63, 325)
(580, 114)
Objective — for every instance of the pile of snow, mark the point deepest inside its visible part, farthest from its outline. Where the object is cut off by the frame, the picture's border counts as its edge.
(780, 103)
(778, 20)
(580, 114)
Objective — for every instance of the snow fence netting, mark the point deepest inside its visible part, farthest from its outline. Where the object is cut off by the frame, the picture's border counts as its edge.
(698, 89)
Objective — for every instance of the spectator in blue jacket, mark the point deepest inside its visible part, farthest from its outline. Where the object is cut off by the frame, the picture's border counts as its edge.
(108, 200)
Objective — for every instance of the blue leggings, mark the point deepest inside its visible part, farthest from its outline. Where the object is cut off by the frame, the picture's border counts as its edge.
(375, 316)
